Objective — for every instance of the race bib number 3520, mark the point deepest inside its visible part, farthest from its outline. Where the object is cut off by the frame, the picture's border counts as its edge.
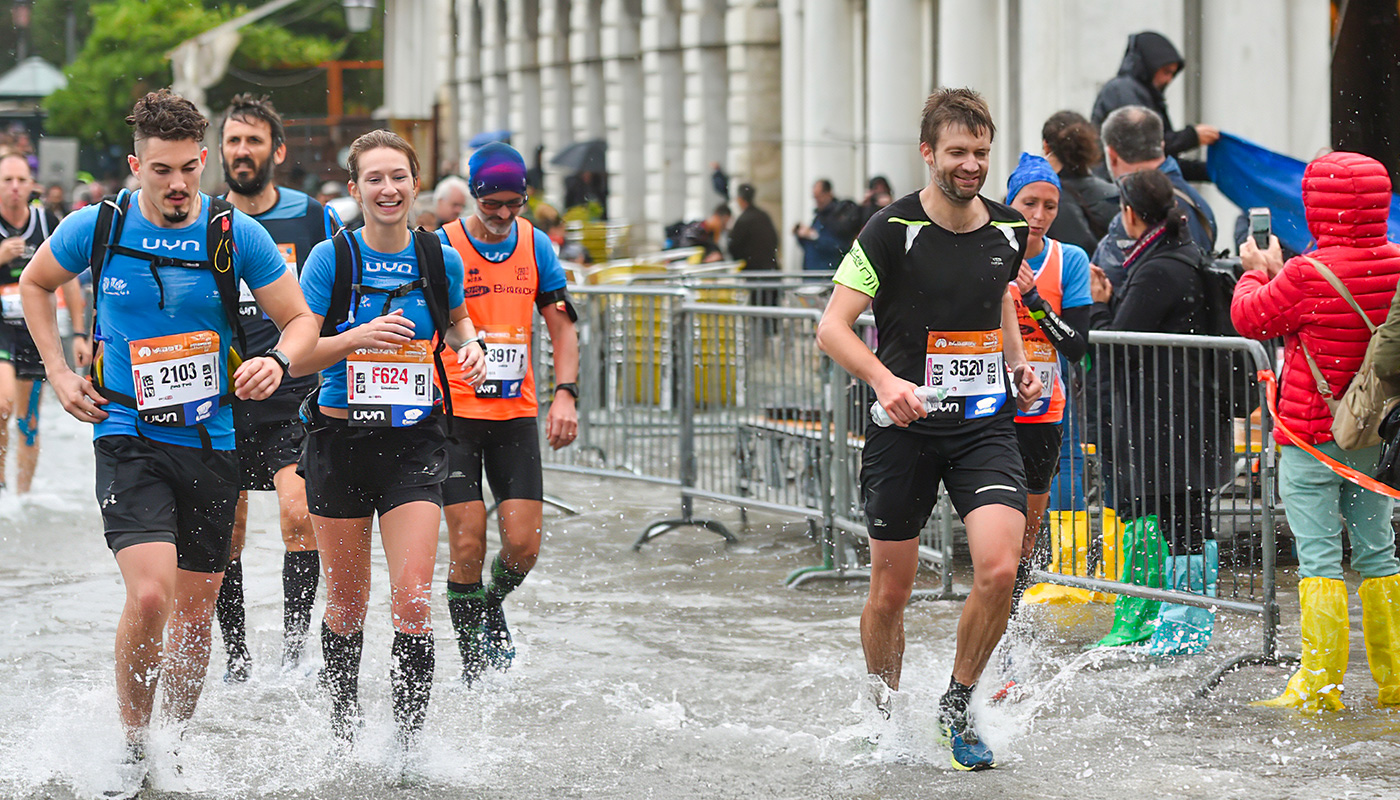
(969, 366)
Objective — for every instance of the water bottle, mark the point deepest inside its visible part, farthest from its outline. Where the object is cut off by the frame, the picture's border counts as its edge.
(930, 395)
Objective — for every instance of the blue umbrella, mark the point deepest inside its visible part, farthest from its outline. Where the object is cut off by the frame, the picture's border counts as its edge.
(487, 137)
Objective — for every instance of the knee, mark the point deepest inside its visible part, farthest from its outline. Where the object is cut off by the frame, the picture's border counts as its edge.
(521, 555)
(888, 598)
(997, 576)
(151, 602)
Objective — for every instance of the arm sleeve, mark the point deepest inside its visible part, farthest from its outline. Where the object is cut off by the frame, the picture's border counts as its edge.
(551, 272)
(860, 268)
(456, 274)
(258, 262)
(1387, 354)
(1179, 141)
(317, 275)
(1068, 331)
(1263, 308)
(71, 242)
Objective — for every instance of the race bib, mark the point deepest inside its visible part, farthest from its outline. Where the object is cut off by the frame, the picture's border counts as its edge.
(969, 366)
(390, 388)
(1041, 355)
(176, 378)
(10, 306)
(247, 305)
(507, 360)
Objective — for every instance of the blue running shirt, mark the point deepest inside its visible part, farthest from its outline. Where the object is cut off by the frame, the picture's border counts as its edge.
(128, 302)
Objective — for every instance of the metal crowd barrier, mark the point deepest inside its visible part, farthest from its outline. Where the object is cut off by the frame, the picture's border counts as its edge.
(1173, 427)
(695, 388)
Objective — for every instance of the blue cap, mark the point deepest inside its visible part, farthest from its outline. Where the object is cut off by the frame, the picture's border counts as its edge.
(1030, 170)
(497, 167)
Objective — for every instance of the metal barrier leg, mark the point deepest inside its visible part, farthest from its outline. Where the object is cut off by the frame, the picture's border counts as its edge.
(1243, 661)
(834, 566)
(548, 500)
(686, 520)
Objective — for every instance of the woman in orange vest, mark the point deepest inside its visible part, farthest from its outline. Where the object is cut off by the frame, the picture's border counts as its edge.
(1053, 304)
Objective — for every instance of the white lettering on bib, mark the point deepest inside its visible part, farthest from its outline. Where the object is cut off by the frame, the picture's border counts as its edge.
(175, 379)
(970, 367)
(1041, 356)
(507, 360)
(390, 388)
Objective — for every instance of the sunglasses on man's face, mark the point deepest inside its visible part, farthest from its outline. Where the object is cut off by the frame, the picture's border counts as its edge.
(496, 205)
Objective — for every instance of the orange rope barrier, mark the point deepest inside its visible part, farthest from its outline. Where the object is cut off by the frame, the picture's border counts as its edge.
(1266, 376)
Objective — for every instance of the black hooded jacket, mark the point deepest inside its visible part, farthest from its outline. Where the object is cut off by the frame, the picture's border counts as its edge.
(1147, 52)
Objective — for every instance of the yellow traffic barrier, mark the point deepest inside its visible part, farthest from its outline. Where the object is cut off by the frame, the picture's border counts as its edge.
(1069, 555)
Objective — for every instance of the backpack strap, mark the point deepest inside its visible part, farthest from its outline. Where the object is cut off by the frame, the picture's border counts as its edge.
(1200, 215)
(219, 240)
(431, 266)
(346, 269)
(1326, 272)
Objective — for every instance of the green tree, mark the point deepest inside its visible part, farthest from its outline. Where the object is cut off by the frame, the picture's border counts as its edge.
(125, 56)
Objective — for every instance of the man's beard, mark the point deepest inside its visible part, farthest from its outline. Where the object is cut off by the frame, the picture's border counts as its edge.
(177, 216)
(950, 189)
(262, 176)
(495, 226)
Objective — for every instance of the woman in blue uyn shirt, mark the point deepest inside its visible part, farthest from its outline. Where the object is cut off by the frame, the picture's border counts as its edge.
(375, 442)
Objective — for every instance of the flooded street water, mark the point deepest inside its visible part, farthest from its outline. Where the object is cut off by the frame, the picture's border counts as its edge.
(682, 671)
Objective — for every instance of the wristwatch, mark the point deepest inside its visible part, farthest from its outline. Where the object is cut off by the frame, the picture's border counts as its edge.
(281, 358)
(571, 388)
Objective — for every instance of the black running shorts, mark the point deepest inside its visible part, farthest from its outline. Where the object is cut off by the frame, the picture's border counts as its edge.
(508, 450)
(900, 472)
(1040, 451)
(351, 473)
(17, 347)
(149, 491)
(264, 450)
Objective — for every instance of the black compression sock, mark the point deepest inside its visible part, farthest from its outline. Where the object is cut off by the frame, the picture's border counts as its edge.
(229, 609)
(467, 604)
(342, 678)
(300, 571)
(1023, 582)
(412, 679)
(504, 580)
(953, 704)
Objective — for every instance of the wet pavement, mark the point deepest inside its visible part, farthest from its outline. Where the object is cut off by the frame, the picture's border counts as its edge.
(684, 671)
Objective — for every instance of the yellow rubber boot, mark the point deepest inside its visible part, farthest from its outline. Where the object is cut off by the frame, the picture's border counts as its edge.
(1317, 685)
(1380, 621)
(1069, 555)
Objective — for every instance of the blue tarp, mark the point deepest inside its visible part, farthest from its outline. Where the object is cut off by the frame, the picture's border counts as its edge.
(1252, 176)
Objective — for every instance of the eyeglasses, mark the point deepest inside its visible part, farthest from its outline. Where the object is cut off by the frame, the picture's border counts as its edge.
(496, 205)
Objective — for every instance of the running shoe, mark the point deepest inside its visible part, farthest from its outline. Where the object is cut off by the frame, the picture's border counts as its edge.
(500, 650)
(472, 643)
(970, 753)
(132, 774)
(240, 666)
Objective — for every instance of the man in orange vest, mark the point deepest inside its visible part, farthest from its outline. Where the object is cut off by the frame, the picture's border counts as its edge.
(511, 270)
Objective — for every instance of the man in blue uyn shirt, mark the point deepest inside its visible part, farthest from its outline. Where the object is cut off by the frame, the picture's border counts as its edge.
(164, 375)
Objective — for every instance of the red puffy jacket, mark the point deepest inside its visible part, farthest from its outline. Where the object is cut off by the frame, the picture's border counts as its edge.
(1347, 200)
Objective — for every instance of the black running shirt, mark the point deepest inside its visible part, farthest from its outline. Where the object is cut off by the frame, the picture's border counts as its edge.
(937, 299)
(40, 224)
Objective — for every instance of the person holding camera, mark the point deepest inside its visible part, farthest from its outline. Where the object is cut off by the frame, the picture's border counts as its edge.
(1347, 200)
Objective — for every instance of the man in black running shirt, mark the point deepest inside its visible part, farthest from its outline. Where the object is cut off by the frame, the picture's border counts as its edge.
(937, 265)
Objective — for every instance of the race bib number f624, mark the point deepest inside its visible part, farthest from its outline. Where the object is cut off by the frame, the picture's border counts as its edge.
(390, 388)
(969, 366)
(1041, 356)
(507, 361)
(176, 378)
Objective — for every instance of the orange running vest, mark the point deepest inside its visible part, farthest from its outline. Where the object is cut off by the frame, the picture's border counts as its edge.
(501, 302)
(1049, 286)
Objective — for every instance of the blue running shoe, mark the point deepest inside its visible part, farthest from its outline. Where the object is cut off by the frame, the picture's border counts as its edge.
(500, 650)
(969, 752)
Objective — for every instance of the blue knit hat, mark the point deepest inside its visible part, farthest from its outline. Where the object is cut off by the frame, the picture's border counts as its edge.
(1030, 170)
(497, 167)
